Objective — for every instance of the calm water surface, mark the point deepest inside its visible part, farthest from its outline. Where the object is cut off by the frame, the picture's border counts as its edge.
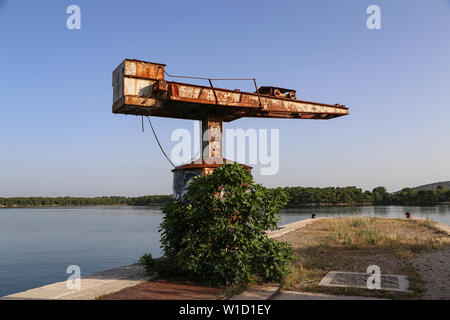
(38, 244)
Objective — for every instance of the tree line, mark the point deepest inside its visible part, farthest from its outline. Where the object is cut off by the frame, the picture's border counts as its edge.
(378, 196)
(298, 196)
(157, 200)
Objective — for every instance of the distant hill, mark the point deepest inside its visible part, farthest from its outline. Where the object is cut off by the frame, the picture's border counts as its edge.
(433, 186)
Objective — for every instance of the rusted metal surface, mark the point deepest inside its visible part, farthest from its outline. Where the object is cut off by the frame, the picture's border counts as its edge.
(201, 164)
(278, 92)
(135, 78)
(140, 89)
(212, 136)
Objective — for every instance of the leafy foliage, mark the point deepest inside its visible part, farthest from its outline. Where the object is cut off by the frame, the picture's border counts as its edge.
(348, 195)
(421, 197)
(379, 196)
(149, 200)
(216, 233)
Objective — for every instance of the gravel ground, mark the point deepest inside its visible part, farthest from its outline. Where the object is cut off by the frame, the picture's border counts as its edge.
(435, 270)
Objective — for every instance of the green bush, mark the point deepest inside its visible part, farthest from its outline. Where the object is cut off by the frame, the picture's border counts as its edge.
(216, 233)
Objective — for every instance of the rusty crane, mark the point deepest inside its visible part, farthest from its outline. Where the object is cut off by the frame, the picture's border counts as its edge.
(140, 88)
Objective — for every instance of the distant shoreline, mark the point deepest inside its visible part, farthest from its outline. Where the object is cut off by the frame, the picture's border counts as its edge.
(78, 206)
(287, 207)
(298, 197)
(371, 204)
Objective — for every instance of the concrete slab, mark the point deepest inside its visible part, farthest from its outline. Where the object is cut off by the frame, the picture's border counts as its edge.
(443, 227)
(391, 282)
(263, 293)
(290, 227)
(295, 295)
(440, 226)
(92, 286)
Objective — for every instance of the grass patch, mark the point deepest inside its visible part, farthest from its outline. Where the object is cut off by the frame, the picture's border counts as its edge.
(355, 231)
(353, 244)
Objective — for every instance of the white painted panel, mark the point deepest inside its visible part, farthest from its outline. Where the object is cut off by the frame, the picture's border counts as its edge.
(129, 86)
(130, 68)
(144, 88)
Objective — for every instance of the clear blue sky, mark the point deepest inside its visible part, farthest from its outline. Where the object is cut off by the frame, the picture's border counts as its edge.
(59, 137)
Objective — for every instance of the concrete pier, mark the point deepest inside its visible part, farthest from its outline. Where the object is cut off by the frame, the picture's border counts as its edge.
(92, 286)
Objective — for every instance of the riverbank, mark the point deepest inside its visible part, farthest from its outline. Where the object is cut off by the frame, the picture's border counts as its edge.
(40, 202)
(60, 206)
(298, 196)
(361, 204)
(160, 205)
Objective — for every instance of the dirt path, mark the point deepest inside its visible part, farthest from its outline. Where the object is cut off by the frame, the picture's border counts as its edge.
(434, 268)
(165, 290)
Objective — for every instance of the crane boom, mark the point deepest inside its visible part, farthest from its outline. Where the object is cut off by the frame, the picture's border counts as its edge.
(140, 88)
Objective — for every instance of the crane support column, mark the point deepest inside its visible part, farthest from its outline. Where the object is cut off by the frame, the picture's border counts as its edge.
(211, 138)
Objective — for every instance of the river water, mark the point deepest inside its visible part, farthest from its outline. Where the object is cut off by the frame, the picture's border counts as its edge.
(38, 244)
